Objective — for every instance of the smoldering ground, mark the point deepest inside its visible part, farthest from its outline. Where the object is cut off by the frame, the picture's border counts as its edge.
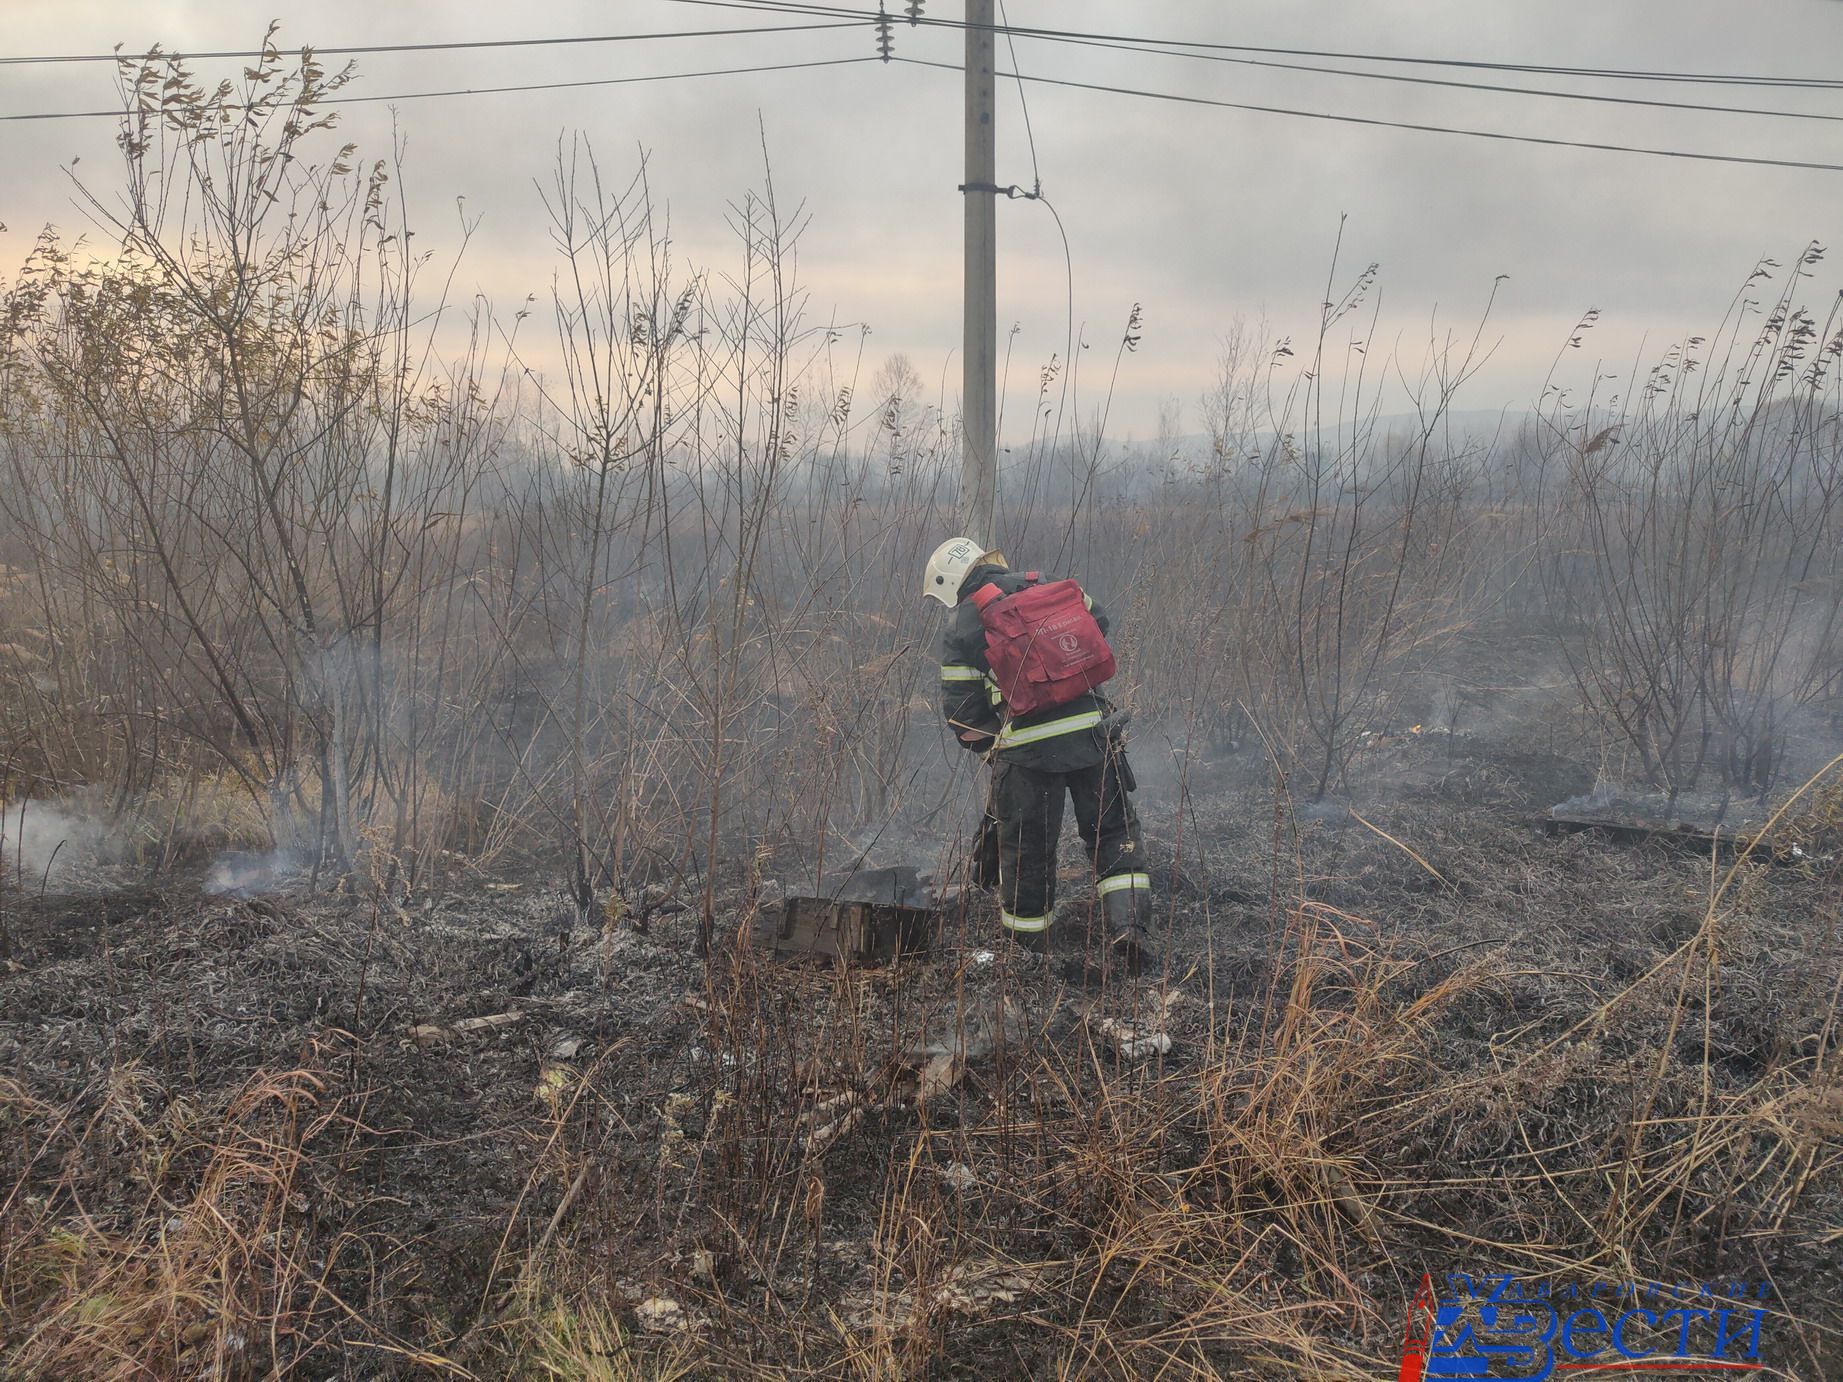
(494, 1078)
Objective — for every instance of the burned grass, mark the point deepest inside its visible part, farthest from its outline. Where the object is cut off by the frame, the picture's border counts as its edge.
(315, 1135)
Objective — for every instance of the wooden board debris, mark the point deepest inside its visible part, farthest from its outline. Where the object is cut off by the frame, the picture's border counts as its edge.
(860, 932)
(1633, 830)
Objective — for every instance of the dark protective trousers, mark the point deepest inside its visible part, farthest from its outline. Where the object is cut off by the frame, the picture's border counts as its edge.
(1027, 814)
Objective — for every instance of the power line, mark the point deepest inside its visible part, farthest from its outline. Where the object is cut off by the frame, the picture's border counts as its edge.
(1452, 83)
(1223, 53)
(805, 7)
(1168, 48)
(856, 18)
(459, 45)
(1036, 195)
(1405, 124)
(491, 90)
(1183, 48)
(1023, 101)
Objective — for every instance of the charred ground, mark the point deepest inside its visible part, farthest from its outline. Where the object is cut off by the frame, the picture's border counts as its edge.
(255, 1132)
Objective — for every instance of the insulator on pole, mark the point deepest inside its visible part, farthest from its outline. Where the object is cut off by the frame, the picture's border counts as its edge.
(915, 12)
(886, 44)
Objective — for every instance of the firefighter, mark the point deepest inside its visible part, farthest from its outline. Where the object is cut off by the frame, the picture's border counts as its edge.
(1075, 748)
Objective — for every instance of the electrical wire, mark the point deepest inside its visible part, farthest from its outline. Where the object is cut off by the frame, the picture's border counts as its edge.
(1451, 83)
(1068, 257)
(1378, 123)
(1068, 348)
(839, 18)
(1023, 101)
(491, 90)
(458, 45)
(1179, 48)
(805, 7)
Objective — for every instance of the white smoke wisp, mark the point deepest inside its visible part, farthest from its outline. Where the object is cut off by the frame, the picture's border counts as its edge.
(239, 873)
(74, 845)
(1604, 797)
(45, 843)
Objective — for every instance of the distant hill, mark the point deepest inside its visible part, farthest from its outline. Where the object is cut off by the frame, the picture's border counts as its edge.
(1476, 424)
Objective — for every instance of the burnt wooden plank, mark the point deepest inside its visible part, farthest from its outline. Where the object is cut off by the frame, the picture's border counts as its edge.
(1676, 834)
(860, 932)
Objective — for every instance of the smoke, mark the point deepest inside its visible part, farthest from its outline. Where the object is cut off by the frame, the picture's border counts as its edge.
(1330, 811)
(82, 842)
(297, 844)
(246, 873)
(1603, 797)
(49, 843)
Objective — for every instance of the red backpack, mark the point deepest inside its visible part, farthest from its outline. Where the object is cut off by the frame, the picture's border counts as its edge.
(1043, 643)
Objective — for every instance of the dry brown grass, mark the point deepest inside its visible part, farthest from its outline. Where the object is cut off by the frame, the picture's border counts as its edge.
(223, 1272)
(1262, 1200)
(1268, 1201)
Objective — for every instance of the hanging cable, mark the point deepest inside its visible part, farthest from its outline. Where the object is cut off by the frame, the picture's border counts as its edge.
(1453, 83)
(458, 45)
(1068, 258)
(1105, 39)
(1178, 48)
(1023, 102)
(846, 18)
(490, 90)
(1378, 123)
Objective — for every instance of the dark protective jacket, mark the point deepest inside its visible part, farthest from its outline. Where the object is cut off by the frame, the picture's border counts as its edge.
(1059, 740)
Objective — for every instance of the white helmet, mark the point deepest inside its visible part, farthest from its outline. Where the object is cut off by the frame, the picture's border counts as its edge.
(948, 567)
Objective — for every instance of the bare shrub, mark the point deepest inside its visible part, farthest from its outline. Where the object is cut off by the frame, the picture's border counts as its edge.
(1695, 544)
(231, 466)
(1317, 560)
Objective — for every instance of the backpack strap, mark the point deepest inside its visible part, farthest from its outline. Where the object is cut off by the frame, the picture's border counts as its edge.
(985, 595)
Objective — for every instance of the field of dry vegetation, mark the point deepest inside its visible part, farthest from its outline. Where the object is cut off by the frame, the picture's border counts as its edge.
(406, 709)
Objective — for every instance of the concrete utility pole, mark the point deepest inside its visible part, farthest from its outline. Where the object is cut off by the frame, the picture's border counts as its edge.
(979, 392)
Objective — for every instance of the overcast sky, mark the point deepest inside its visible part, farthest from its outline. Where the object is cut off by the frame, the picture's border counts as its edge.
(1202, 215)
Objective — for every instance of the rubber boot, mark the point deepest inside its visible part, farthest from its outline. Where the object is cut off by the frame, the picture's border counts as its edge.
(1128, 913)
